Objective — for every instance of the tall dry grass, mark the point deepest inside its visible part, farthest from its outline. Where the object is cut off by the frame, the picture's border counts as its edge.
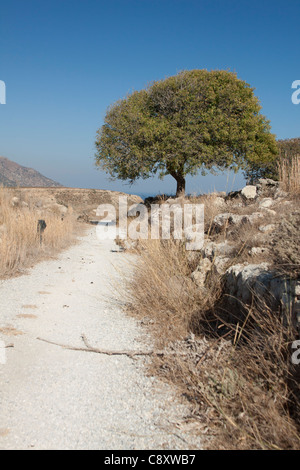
(289, 174)
(20, 244)
(237, 374)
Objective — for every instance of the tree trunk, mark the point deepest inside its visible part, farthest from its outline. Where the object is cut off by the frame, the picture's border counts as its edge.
(180, 179)
(180, 190)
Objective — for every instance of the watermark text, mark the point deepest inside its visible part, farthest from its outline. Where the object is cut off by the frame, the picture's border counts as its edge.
(2, 92)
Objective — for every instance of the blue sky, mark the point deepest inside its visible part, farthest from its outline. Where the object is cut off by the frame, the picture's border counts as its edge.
(64, 62)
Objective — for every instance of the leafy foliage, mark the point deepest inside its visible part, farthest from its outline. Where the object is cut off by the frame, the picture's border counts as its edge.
(195, 120)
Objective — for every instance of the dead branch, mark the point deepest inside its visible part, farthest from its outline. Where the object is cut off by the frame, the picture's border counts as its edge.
(90, 348)
(131, 354)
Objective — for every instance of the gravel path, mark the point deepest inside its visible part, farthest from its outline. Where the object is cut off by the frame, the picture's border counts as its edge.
(53, 398)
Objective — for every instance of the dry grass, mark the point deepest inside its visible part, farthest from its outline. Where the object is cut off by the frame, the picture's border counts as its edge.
(289, 175)
(20, 244)
(237, 375)
(243, 388)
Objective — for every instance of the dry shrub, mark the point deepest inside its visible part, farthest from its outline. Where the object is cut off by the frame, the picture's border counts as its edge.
(162, 290)
(241, 384)
(289, 174)
(286, 245)
(20, 243)
(238, 377)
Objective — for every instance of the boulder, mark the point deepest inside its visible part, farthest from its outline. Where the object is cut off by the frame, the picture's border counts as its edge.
(221, 221)
(241, 280)
(249, 192)
(244, 282)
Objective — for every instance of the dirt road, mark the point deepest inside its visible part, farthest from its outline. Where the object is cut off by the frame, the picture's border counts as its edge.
(55, 398)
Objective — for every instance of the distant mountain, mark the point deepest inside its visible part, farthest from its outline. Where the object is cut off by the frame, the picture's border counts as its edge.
(12, 174)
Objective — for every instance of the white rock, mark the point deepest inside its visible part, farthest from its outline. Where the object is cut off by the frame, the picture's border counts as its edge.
(15, 201)
(258, 250)
(267, 228)
(220, 264)
(249, 192)
(223, 220)
(211, 249)
(255, 216)
(266, 203)
(200, 274)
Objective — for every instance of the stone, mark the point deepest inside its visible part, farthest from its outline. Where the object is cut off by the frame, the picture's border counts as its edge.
(264, 182)
(200, 274)
(249, 192)
(267, 228)
(258, 250)
(178, 200)
(242, 280)
(266, 203)
(270, 212)
(193, 231)
(15, 201)
(218, 202)
(221, 221)
(280, 194)
(255, 216)
(220, 265)
(212, 249)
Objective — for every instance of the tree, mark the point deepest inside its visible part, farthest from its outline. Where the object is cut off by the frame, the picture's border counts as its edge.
(195, 120)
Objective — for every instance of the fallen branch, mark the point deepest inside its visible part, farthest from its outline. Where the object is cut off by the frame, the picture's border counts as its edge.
(90, 348)
(131, 354)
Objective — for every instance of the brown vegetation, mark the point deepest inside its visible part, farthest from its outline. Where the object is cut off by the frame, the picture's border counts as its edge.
(20, 243)
(289, 174)
(236, 371)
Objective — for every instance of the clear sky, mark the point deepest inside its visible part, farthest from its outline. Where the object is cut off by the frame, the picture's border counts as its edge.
(65, 61)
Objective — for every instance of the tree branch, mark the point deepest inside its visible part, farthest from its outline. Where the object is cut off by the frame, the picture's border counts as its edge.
(131, 354)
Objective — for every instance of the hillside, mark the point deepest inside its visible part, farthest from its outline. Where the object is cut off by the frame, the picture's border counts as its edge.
(12, 174)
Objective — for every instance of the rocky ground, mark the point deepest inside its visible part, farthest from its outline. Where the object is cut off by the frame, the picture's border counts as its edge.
(252, 242)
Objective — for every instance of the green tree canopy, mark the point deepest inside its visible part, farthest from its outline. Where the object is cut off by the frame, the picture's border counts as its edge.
(195, 120)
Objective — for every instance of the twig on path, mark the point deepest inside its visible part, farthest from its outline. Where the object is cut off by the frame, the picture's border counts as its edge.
(90, 348)
(131, 354)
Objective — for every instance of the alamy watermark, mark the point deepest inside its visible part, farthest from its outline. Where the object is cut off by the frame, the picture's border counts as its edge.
(2, 92)
(296, 94)
(159, 221)
(296, 354)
